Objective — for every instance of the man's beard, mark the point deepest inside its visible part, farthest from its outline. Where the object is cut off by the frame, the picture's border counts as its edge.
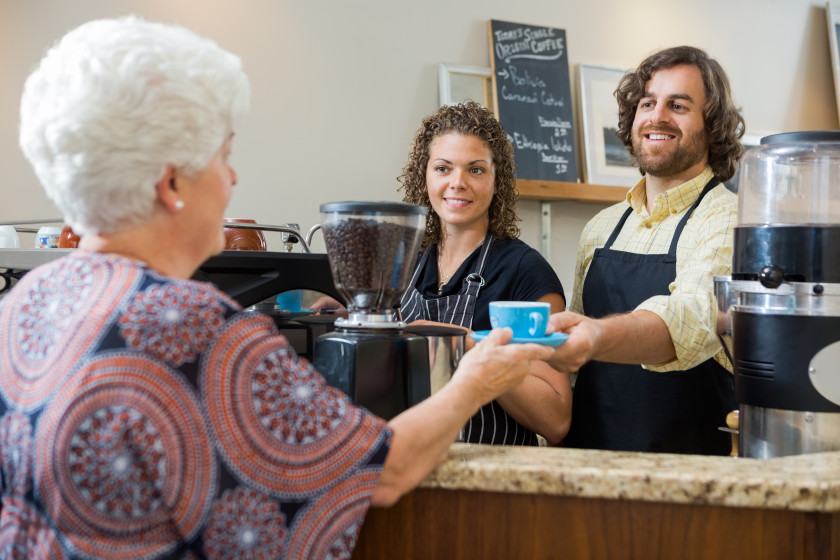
(688, 153)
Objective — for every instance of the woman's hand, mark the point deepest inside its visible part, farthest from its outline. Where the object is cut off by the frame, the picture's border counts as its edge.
(326, 303)
(494, 367)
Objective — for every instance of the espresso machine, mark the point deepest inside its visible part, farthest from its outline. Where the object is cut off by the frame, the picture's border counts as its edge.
(255, 278)
(783, 299)
(372, 249)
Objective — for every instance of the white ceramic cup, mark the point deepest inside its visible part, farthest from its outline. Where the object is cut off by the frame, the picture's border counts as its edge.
(47, 237)
(9, 238)
(528, 319)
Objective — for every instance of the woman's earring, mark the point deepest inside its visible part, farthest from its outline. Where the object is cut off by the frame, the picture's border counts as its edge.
(179, 204)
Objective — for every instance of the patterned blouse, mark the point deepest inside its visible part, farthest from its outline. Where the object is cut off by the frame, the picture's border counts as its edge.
(147, 417)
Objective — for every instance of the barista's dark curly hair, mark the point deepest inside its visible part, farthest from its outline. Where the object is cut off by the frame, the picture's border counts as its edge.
(469, 119)
(723, 123)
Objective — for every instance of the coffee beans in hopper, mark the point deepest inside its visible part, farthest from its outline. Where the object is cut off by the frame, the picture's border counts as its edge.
(372, 262)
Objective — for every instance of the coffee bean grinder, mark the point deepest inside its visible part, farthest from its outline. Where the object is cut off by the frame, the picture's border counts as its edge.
(784, 307)
(372, 249)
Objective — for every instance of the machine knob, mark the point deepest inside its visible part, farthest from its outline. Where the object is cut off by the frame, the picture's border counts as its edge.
(771, 276)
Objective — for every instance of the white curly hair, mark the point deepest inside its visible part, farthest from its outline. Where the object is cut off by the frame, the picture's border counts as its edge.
(114, 102)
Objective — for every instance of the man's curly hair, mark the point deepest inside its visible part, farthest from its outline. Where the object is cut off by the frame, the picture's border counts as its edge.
(468, 119)
(724, 125)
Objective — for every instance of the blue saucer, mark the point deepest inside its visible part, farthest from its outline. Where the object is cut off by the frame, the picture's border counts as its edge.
(553, 340)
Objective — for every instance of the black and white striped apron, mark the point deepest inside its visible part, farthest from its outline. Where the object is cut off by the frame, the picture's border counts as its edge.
(491, 424)
(457, 309)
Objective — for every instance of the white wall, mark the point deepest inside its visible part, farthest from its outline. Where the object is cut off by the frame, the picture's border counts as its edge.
(341, 86)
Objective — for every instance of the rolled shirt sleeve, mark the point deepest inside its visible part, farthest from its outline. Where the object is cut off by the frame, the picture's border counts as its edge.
(690, 311)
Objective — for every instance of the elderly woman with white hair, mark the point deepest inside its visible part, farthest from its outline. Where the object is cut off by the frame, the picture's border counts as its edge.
(144, 414)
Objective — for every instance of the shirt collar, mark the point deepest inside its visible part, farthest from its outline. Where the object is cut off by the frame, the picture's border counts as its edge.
(674, 200)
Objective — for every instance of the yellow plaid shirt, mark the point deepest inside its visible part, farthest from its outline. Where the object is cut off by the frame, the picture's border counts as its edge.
(703, 251)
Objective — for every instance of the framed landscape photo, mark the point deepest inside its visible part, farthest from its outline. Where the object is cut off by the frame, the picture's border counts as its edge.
(832, 16)
(465, 83)
(607, 160)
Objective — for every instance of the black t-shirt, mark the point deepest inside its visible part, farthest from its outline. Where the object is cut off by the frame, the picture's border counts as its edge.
(513, 272)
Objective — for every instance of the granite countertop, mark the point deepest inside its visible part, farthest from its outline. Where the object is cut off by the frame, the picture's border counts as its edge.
(802, 482)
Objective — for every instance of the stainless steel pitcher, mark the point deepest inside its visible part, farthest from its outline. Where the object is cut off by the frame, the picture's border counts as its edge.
(446, 347)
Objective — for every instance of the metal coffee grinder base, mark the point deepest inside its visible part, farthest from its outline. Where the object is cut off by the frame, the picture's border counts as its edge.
(384, 371)
(766, 433)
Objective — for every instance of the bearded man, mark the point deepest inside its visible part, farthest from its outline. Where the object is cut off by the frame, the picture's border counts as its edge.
(652, 375)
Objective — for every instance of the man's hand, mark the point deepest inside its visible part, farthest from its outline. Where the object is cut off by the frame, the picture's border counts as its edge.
(579, 348)
(638, 337)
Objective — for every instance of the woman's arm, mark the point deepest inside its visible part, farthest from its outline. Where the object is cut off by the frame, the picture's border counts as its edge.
(543, 401)
(423, 433)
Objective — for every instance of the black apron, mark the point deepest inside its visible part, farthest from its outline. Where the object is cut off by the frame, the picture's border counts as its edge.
(625, 407)
(491, 424)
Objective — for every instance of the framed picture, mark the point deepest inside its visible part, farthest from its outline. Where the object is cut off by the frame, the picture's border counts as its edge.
(607, 160)
(832, 16)
(465, 83)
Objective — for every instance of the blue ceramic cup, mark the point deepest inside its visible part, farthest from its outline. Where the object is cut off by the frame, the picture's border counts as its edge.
(290, 301)
(528, 319)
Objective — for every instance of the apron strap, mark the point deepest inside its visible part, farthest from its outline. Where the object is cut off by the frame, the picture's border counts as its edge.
(617, 229)
(677, 232)
(672, 251)
(474, 281)
(456, 309)
(424, 256)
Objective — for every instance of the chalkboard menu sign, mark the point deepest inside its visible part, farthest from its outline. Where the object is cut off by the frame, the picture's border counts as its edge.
(532, 94)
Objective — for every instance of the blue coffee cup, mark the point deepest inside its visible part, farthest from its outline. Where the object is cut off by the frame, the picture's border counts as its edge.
(290, 300)
(528, 319)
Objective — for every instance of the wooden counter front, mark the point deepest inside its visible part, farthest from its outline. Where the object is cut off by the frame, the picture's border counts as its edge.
(509, 503)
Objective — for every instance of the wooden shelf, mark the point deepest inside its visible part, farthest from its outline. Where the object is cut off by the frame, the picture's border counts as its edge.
(556, 190)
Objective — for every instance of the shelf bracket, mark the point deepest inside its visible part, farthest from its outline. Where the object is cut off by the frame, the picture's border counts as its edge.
(545, 230)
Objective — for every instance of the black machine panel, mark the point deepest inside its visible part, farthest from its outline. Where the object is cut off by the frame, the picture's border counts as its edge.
(800, 253)
(250, 277)
(772, 354)
(385, 372)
